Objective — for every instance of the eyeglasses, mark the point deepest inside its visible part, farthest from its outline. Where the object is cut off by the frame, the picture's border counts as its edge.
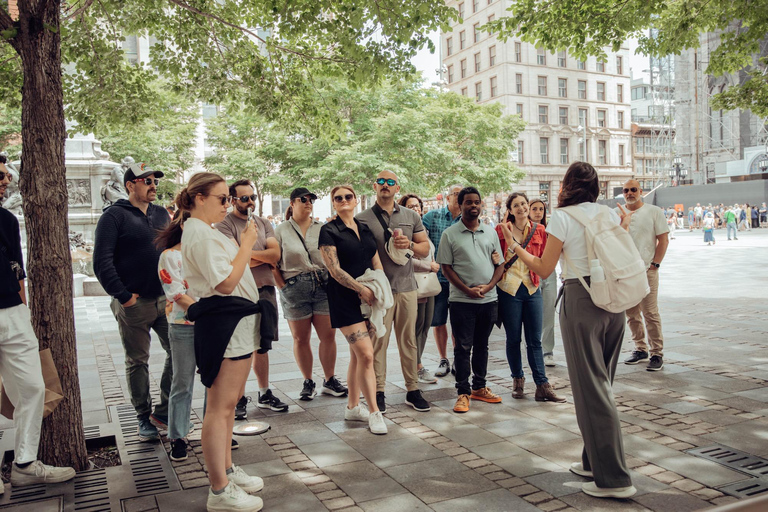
(389, 181)
(633, 190)
(4, 174)
(147, 181)
(224, 199)
(340, 199)
(311, 200)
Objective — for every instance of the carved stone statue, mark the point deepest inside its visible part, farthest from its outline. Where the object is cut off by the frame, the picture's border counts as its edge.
(114, 189)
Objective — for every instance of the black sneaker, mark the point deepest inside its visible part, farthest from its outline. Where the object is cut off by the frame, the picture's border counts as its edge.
(656, 364)
(235, 445)
(416, 400)
(443, 369)
(178, 449)
(240, 409)
(270, 401)
(381, 401)
(308, 391)
(333, 387)
(636, 357)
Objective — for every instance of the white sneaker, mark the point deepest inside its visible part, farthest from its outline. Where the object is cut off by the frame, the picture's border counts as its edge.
(376, 423)
(233, 499)
(245, 481)
(549, 360)
(605, 492)
(39, 473)
(577, 468)
(426, 376)
(357, 413)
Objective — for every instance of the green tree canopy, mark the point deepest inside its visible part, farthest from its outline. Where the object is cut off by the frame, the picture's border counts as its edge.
(587, 27)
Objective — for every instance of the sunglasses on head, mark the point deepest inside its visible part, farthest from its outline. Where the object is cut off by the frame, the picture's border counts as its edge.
(633, 190)
(4, 174)
(147, 181)
(244, 199)
(388, 181)
(305, 199)
(340, 199)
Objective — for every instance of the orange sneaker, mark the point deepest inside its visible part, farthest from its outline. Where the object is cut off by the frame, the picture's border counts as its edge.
(462, 404)
(486, 395)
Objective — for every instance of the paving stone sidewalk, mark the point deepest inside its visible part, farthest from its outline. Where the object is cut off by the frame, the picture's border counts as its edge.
(509, 456)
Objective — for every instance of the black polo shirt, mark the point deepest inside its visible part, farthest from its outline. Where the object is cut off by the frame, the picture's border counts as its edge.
(355, 254)
(11, 260)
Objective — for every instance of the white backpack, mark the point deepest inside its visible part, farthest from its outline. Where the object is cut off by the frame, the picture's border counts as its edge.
(625, 282)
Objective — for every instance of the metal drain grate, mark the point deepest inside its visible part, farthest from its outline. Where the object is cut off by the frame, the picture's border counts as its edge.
(92, 491)
(746, 489)
(149, 475)
(92, 432)
(27, 493)
(734, 459)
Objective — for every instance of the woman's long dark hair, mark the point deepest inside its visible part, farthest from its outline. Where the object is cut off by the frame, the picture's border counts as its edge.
(580, 185)
(171, 235)
(512, 197)
(543, 220)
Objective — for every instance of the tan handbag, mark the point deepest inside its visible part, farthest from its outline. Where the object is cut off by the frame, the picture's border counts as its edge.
(53, 391)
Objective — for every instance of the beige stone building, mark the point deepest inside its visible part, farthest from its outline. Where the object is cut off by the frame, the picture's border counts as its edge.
(554, 93)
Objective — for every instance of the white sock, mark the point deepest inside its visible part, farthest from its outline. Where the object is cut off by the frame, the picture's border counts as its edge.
(263, 390)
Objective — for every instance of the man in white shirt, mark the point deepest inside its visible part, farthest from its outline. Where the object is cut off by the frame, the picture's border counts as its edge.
(649, 231)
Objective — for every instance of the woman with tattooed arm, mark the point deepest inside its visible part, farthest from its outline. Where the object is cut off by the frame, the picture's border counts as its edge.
(349, 249)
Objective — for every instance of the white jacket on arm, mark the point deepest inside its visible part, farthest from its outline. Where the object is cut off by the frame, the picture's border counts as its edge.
(377, 281)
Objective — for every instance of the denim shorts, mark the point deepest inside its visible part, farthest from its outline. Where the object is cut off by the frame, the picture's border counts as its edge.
(304, 295)
(440, 316)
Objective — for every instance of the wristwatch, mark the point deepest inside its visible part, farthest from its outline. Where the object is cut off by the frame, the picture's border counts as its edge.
(654, 264)
(411, 246)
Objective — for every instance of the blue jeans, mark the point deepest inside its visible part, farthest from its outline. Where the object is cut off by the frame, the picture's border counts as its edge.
(731, 226)
(517, 311)
(182, 338)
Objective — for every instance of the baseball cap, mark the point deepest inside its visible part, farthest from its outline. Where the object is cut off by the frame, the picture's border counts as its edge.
(140, 170)
(301, 192)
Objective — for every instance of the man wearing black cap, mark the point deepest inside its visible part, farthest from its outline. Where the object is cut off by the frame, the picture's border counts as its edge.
(125, 262)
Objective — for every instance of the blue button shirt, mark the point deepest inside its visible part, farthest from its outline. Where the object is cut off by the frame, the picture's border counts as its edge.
(435, 222)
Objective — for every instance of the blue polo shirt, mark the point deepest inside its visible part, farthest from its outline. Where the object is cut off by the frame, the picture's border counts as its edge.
(436, 222)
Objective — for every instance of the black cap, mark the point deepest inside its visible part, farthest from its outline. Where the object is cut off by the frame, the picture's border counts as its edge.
(301, 192)
(140, 170)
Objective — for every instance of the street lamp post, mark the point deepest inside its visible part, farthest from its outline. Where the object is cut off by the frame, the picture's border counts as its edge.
(678, 170)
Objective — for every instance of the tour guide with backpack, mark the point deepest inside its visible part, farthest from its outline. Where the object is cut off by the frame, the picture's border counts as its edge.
(604, 275)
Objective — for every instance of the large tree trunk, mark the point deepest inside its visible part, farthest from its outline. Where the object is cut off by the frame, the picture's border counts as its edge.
(44, 189)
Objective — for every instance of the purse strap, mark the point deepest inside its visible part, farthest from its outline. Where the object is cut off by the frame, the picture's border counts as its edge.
(523, 245)
(302, 239)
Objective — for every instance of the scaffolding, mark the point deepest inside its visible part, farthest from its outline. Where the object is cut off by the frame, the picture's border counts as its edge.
(660, 131)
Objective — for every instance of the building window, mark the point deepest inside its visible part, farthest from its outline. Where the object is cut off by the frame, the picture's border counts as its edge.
(564, 151)
(519, 110)
(494, 88)
(463, 65)
(601, 152)
(519, 83)
(476, 29)
(520, 152)
(543, 114)
(601, 66)
(620, 93)
(544, 150)
(492, 56)
(542, 86)
(582, 89)
(450, 74)
(621, 154)
(564, 115)
(619, 65)
(461, 10)
(477, 62)
(561, 59)
(620, 116)
(518, 52)
(581, 65)
(131, 49)
(475, 5)
(541, 56)
(639, 145)
(449, 46)
(544, 187)
(601, 118)
(583, 118)
(603, 190)
(462, 39)
(601, 91)
(463, 91)
(479, 91)
(562, 87)
(210, 111)
(638, 167)
(490, 19)
(583, 150)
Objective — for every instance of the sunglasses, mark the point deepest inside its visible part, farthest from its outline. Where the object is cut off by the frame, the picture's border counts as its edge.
(310, 200)
(147, 181)
(340, 199)
(224, 199)
(389, 181)
(633, 190)
(244, 199)
(4, 174)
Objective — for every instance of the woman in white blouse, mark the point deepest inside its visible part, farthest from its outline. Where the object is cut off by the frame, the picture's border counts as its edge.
(214, 265)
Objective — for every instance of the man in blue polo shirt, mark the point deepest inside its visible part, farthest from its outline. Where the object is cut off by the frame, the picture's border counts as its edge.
(435, 222)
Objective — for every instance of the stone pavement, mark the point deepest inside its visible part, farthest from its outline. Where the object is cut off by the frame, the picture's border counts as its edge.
(508, 456)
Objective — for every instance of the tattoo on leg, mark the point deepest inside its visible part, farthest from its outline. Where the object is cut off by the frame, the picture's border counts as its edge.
(371, 330)
(353, 337)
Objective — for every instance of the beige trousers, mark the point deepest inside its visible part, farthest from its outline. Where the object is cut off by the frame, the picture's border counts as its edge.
(401, 318)
(648, 310)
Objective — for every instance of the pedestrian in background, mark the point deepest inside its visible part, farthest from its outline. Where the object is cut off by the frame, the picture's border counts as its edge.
(548, 287)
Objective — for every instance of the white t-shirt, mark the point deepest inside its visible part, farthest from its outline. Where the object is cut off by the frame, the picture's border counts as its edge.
(646, 224)
(569, 231)
(207, 257)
